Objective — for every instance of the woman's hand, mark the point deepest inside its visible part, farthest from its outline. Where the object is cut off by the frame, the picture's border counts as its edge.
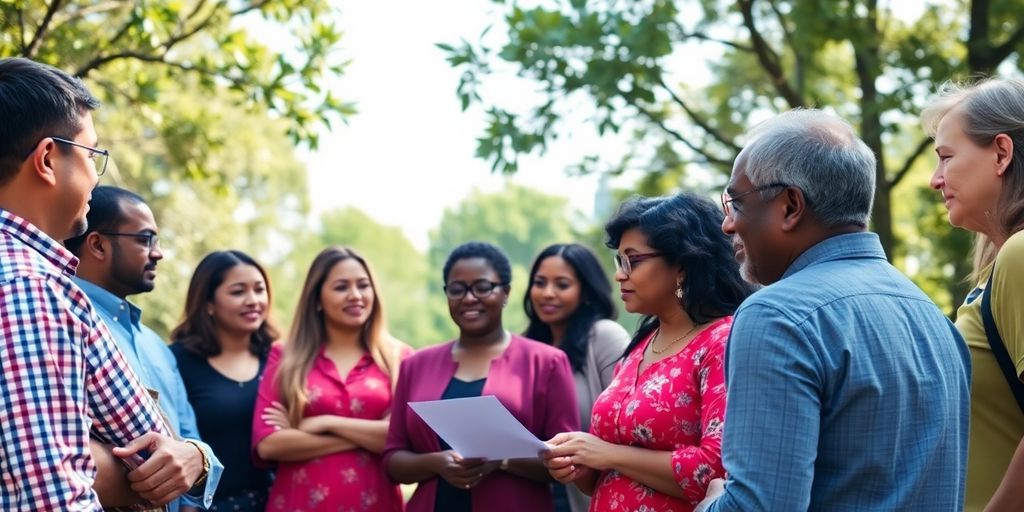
(464, 473)
(570, 450)
(276, 416)
(562, 469)
(317, 424)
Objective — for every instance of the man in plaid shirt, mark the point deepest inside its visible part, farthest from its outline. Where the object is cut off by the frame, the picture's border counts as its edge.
(62, 378)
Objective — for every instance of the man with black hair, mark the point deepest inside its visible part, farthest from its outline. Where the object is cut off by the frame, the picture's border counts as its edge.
(63, 378)
(118, 256)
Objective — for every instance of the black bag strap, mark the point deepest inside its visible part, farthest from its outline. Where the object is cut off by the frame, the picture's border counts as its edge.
(998, 348)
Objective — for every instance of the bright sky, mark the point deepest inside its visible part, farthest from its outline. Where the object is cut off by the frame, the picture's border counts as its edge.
(408, 154)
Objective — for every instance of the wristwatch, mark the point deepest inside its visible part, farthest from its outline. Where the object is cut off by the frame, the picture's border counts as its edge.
(206, 463)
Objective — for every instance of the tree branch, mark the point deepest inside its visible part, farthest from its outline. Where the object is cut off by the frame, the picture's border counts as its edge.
(123, 30)
(787, 36)
(252, 7)
(21, 27)
(166, 46)
(768, 58)
(704, 37)
(76, 14)
(195, 10)
(699, 121)
(918, 151)
(1001, 52)
(44, 26)
(161, 59)
(977, 37)
(679, 137)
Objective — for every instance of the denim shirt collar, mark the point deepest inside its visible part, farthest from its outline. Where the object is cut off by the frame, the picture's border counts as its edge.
(109, 303)
(864, 244)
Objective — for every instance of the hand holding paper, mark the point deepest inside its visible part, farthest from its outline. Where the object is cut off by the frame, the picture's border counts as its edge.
(479, 427)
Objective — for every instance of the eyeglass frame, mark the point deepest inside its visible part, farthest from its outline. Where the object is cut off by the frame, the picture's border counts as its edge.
(469, 289)
(152, 239)
(728, 199)
(93, 151)
(625, 262)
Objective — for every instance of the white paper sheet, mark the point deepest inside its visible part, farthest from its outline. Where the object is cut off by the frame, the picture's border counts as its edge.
(479, 427)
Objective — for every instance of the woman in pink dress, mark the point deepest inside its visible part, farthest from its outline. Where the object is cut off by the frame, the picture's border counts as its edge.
(326, 394)
(655, 434)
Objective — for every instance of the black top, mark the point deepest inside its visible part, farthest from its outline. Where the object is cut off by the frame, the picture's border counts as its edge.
(224, 412)
(450, 498)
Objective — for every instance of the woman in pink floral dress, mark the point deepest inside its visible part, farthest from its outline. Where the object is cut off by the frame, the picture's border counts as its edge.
(323, 403)
(655, 434)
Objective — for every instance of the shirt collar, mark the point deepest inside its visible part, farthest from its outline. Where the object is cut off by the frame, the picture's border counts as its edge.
(40, 242)
(109, 303)
(860, 245)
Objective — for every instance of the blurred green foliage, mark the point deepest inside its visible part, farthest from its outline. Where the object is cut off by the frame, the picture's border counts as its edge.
(632, 64)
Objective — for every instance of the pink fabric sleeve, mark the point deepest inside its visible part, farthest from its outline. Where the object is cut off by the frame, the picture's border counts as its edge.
(398, 437)
(695, 466)
(268, 393)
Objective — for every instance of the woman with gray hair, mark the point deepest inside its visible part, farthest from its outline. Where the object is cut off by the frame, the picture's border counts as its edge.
(979, 139)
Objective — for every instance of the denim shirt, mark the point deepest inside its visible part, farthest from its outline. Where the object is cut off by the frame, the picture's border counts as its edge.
(848, 391)
(139, 344)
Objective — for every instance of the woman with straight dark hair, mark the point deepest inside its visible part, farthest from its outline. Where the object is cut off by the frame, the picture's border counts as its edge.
(655, 433)
(221, 346)
(979, 139)
(569, 305)
(326, 394)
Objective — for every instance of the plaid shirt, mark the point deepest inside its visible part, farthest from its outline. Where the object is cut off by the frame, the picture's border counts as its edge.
(61, 377)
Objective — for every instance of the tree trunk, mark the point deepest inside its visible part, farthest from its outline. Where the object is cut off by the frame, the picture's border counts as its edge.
(868, 67)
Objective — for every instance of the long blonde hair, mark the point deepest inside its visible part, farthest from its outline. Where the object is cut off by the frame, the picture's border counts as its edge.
(989, 107)
(308, 333)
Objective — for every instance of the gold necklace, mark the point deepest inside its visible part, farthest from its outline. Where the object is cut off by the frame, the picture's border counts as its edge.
(677, 340)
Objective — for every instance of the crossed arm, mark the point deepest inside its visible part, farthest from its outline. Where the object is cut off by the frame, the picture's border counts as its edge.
(317, 436)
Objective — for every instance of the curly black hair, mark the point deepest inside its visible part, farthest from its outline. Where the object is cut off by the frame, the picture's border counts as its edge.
(484, 250)
(687, 230)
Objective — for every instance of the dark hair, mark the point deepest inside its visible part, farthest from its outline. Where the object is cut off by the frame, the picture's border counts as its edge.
(595, 302)
(105, 213)
(196, 331)
(487, 251)
(687, 230)
(37, 101)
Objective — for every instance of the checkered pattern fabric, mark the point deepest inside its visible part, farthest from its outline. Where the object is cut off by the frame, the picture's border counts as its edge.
(61, 377)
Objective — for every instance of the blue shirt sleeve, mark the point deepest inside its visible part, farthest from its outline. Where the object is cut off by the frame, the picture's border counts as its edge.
(202, 496)
(773, 413)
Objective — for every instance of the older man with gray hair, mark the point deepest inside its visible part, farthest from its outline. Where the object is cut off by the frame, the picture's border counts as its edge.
(848, 388)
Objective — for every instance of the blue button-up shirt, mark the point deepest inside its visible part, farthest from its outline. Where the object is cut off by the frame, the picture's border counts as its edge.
(156, 367)
(848, 391)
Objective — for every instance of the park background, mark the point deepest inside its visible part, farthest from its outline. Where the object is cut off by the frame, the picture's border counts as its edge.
(403, 128)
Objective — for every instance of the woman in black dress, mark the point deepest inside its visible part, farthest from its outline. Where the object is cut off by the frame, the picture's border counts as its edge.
(221, 346)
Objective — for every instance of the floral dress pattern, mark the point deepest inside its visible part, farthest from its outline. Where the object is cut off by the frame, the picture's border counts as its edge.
(676, 405)
(349, 481)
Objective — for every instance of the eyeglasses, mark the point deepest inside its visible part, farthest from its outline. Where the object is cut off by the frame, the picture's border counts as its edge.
(152, 240)
(480, 288)
(99, 156)
(626, 263)
(728, 202)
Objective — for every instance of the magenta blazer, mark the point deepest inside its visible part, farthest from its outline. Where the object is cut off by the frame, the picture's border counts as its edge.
(533, 380)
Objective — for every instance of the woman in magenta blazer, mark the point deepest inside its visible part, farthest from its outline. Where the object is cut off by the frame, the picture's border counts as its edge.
(533, 380)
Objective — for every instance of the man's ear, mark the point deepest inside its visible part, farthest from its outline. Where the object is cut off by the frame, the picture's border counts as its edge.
(96, 245)
(795, 207)
(43, 159)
